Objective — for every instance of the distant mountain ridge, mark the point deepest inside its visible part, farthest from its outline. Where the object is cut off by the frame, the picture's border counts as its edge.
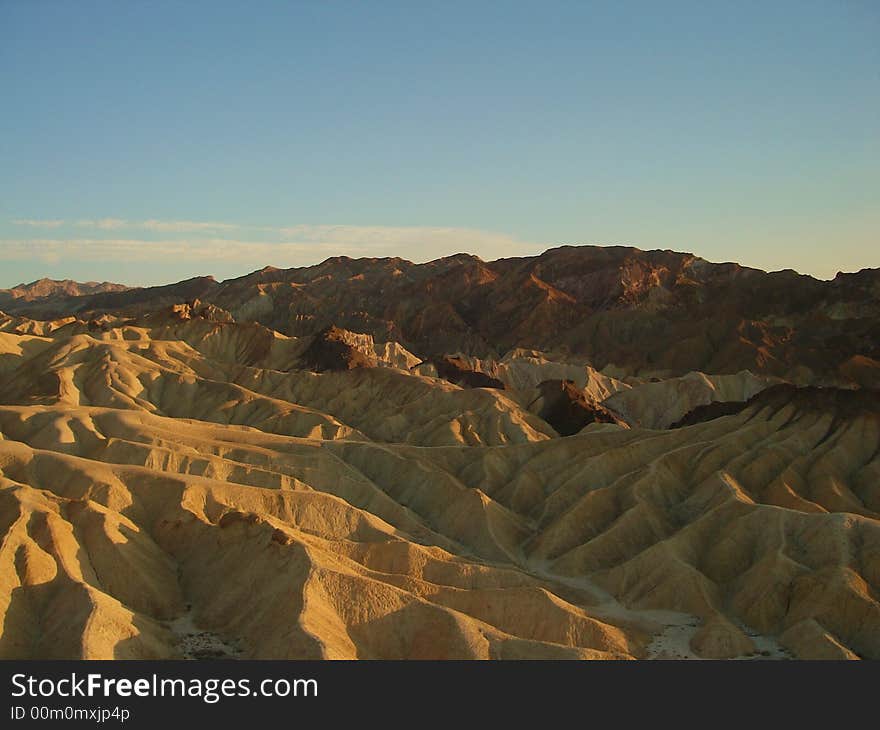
(42, 288)
(640, 311)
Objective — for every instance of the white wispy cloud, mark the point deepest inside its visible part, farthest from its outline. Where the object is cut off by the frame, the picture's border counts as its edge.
(105, 224)
(249, 246)
(125, 249)
(394, 236)
(113, 224)
(343, 235)
(416, 243)
(187, 226)
(299, 247)
(159, 226)
(38, 223)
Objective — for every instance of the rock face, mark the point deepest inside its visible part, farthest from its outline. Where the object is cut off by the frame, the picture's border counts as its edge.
(458, 370)
(565, 407)
(241, 469)
(337, 349)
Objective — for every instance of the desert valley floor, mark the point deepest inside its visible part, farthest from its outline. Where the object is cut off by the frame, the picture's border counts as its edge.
(591, 454)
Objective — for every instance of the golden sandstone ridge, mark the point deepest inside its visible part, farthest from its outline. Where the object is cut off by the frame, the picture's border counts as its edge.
(194, 472)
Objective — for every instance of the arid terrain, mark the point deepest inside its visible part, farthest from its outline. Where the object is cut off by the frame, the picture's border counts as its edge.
(596, 453)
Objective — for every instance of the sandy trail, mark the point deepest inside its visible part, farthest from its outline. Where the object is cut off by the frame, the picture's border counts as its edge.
(672, 630)
(196, 643)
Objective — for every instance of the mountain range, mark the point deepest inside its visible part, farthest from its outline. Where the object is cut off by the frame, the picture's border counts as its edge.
(597, 452)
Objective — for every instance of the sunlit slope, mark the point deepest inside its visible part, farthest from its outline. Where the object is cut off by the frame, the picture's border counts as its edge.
(171, 377)
(172, 468)
(275, 541)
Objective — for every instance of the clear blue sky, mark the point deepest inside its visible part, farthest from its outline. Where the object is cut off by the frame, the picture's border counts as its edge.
(146, 142)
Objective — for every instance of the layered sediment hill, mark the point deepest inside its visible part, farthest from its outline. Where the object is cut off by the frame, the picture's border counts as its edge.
(591, 454)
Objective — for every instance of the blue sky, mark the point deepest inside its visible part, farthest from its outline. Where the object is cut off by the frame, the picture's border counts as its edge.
(147, 142)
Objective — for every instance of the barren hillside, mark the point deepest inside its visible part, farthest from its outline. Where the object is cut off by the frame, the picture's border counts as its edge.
(593, 453)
